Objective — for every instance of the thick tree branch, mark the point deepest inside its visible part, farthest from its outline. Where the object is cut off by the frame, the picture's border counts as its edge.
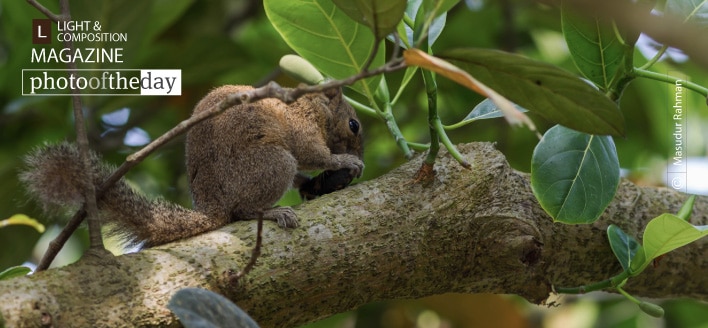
(469, 231)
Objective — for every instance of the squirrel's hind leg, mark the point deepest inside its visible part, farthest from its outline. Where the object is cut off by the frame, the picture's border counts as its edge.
(264, 174)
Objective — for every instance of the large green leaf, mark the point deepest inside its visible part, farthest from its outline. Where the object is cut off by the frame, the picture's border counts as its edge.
(574, 175)
(324, 35)
(662, 235)
(381, 17)
(544, 89)
(594, 47)
(623, 245)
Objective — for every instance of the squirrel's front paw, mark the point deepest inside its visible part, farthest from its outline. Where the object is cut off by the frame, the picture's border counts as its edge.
(351, 162)
(285, 216)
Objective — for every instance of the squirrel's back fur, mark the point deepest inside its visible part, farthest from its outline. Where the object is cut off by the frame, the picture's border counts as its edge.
(53, 174)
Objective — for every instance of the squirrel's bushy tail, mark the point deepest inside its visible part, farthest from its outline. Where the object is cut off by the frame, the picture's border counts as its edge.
(53, 177)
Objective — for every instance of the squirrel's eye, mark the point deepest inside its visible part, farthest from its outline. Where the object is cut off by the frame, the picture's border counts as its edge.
(354, 126)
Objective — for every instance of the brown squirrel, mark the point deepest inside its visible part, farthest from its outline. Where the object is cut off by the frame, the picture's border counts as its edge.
(239, 164)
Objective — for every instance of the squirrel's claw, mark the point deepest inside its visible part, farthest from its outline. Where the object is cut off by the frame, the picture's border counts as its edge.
(285, 216)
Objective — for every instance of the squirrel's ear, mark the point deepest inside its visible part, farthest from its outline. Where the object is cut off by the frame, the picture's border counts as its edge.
(333, 93)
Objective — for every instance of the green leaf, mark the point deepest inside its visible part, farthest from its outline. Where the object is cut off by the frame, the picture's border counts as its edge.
(544, 89)
(381, 17)
(439, 6)
(196, 307)
(322, 34)
(594, 47)
(486, 110)
(13, 272)
(685, 212)
(664, 234)
(651, 309)
(574, 175)
(300, 69)
(430, 12)
(694, 11)
(24, 220)
(639, 262)
(623, 245)
(438, 10)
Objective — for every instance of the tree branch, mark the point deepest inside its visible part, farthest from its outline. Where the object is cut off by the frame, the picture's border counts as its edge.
(469, 231)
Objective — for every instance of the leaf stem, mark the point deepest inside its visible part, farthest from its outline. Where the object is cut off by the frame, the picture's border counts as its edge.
(363, 108)
(656, 58)
(431, 89)
(387, 116)
(600, 285)
(437, 130)
(627, 295)
(440, 129)
(458, 124)
(671, 79)
(383, 97)
(585, 288)
(418, 146)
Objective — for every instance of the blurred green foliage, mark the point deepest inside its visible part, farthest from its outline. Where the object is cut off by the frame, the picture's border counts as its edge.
(220, 42)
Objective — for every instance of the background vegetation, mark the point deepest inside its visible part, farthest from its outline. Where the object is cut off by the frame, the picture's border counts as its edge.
(232, 42)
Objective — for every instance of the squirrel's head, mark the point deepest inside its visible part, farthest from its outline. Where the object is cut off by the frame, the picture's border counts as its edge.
(345, 130)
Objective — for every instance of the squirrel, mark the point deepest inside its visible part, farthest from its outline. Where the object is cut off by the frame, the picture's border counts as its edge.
(239, 164)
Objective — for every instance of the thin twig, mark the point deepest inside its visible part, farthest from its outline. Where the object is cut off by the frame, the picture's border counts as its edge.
(58, 243)
(96, 240)
(372, 56)
(89, 189)
(52, 16)
(396, 47)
